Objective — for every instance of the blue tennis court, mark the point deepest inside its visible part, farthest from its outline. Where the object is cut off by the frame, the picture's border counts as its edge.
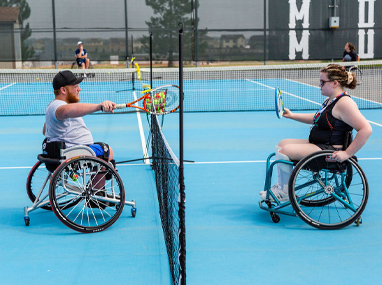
(229, 238)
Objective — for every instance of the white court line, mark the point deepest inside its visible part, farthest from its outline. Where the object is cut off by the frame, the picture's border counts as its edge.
(29, 167)
(319, 88)
(7, 86)
(191, 163)
(299, 97)
(142, 134)
(371, 122)
(15, 167)
(260, 161)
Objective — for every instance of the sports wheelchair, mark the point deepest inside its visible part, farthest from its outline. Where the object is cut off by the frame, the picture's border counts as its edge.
(324, 193)
(75, 65)
(85, 192)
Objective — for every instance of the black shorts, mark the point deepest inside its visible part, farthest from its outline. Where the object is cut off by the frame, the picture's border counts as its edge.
(326, 146)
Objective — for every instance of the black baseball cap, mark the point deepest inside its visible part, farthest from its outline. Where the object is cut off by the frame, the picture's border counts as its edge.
(64, 78)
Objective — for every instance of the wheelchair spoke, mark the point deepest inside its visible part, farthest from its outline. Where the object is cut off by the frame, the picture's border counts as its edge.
(326, 194)
(92, 199)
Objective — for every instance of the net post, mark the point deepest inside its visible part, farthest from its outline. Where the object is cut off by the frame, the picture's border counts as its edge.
(151, 122)
(54, 34)
(126, 35)
(132, 62)
(151, 60)
(182, 198)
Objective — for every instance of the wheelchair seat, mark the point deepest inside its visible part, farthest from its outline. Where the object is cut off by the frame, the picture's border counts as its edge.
(322, 162)
(52, 162)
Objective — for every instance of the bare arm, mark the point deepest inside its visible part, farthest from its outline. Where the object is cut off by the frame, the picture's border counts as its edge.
(347, 111)
(300, 117)
(44, 129)
(74, 110)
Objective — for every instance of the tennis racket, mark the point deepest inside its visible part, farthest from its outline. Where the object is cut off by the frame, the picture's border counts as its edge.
(160, 101)
(279, 103)
(358, 73)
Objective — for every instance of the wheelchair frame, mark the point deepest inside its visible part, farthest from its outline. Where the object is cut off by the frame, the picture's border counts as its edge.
(78, 67)
(66, 195)
(320, 191)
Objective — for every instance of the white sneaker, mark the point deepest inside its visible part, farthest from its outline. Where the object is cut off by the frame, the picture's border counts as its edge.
(277, 191)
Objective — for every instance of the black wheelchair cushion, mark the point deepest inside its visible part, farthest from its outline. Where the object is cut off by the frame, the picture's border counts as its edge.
(50, 163)
(51, 154)
(326, 162)
(52, 149)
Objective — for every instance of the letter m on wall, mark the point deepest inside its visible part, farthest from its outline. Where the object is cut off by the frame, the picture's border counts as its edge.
(299, 15)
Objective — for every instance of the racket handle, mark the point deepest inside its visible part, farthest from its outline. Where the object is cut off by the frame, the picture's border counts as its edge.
(121, 106)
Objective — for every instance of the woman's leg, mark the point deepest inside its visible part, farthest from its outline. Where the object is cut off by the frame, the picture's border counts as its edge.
(291, 149)
(297, 149)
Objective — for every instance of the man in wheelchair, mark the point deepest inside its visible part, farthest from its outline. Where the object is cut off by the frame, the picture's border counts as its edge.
(82, 57)
(338, 116)
(63, 118)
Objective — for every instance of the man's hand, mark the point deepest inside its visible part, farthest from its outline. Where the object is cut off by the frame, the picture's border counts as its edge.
(107, 106)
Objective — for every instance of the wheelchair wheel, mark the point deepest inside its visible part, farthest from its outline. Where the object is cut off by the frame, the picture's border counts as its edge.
(328, 200)
(327, 194)
(75, 66)
(38, 178)
(95, 187)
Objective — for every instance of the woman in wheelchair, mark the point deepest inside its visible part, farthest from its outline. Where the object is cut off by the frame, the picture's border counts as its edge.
(337, 116)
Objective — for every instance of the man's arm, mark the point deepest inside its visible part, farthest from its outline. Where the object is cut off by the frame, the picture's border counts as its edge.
(74, 110)
(79, 55)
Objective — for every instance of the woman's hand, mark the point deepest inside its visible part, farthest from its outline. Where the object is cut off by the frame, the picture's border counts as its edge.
(340, 155)
(287, 113)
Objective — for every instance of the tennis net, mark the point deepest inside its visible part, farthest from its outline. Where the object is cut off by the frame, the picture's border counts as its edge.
(206, 89)
(166, 168)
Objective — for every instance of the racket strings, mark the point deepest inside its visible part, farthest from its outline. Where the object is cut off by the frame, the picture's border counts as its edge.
(279, 104)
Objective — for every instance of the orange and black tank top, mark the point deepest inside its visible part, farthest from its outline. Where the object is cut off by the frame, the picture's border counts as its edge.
(327, 129)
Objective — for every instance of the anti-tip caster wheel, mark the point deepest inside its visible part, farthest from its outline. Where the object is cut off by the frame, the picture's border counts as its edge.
(275, 217)
(358, 221)
(133, 212)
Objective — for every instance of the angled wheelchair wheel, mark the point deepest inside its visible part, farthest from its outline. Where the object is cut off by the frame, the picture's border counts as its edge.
(327, 194)
(86, 194)
(78, 73)
(74, 65)
(38, 179)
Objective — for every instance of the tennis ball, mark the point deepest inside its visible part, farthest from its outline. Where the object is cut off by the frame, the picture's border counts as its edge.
(38, 78)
